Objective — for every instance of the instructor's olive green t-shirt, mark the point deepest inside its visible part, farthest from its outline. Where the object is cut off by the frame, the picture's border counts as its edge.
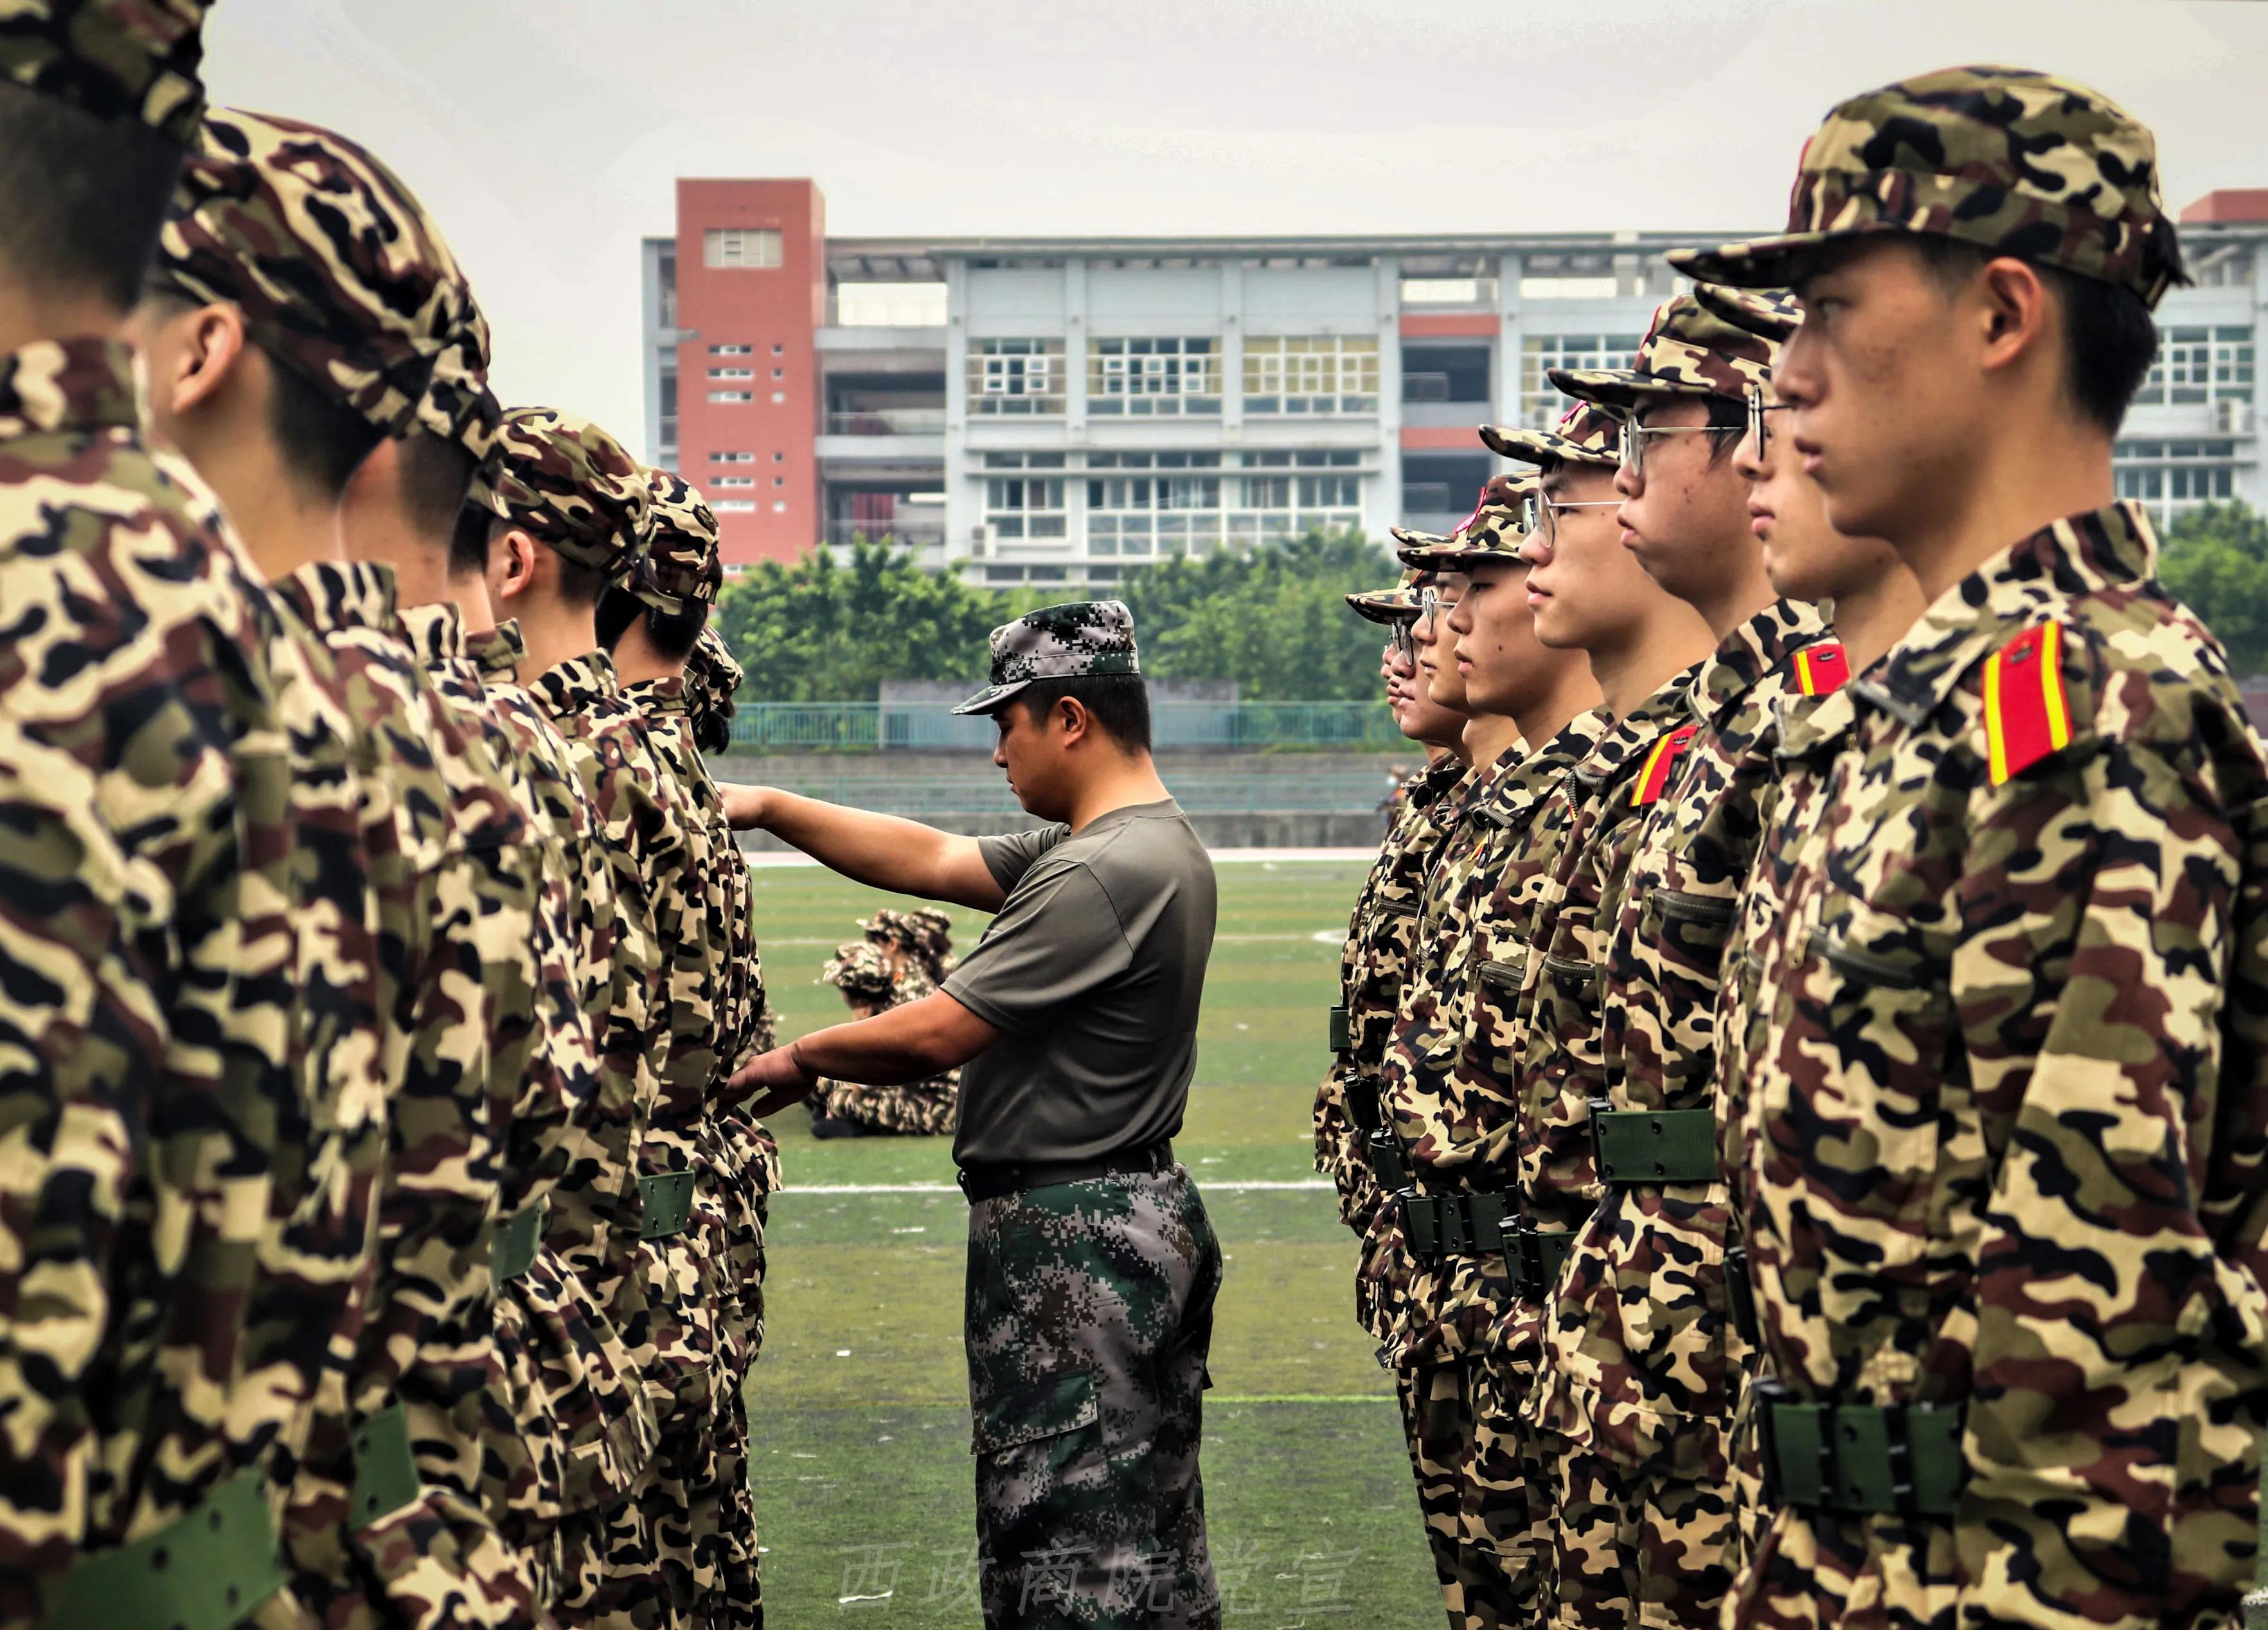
(1092, 972)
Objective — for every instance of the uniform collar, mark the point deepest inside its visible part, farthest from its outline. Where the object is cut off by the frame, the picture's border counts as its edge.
(1433, 781)
(80, 384)
(335, 595)
(1751, 652)
(1538, 772)
(1639, 728)
(2084, 554)
(665, 694)
(498, 652)
(1814, 727)
(436, 632)
(577, 683)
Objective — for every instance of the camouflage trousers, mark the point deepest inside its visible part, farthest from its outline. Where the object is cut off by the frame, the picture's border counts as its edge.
(922, 1109)
(1636, 1547)
(1480, 1490)
(1089, 1318)
(604, 1571)
(1816, 1569)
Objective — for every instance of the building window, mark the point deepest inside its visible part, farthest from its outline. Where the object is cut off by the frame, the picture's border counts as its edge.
(733, 481)
(2200, 365)
(742, 246)
(732, 373)
(779, 507)
(779, 373)
(731, 350)
(669, 408)
(732, 396)
(1152, 378)
(2170, 478)
(1015, 376)
(1023, 460)
(735, 505)
(1540, 405)
(732, 458)
(779, 351)
(778, 396)
(1311, 373)
(779, 480)
(779, 458)
(1023, 507)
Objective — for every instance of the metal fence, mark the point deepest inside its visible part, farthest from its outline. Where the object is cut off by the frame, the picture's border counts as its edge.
(987, 794)
(1249, 727)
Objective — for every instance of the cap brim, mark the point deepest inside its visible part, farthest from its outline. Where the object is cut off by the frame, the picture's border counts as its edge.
(1373, 611)
(1621, 389)
(1762, 263)
(990, 697)
(1537, 446)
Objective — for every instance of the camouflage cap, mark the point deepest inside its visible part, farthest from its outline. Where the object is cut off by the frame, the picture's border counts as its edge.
(858, 968)
(117, 60)
(1069, 641)
(1691, 351)
(681, 565)
(338, 270)
(712, 678)
(1494, 531)
(1773, 320)
(568, 484)
(1390, 606)
(2013, 161)
(1585, 435)
(923, 931)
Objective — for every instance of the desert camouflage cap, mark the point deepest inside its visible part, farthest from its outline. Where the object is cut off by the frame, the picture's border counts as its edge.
(1691, 350)
(858, 968)
(1585, 435)
(1494, 531)
(712, 679)
(2013, 161)
(681, 565)
(338, 270)
(119, 60)
(1069, 641)
(567, 484)
(1390, 606)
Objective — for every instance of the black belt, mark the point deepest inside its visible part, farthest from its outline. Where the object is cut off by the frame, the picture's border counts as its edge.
(1381, 1150)
(1901, 1458)
(1740, 1296)
(1342, 1031)
(989, 1180)
(1654, 1145)
(1462, 1225)
(205, 1570)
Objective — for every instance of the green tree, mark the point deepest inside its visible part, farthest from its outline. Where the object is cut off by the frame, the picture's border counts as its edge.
(2215, 562)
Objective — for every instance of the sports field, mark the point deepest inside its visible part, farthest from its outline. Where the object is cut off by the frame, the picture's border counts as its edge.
(859, 1406)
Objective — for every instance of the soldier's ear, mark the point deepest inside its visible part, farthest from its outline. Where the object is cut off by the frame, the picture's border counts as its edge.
(512, 566)
(211, 353)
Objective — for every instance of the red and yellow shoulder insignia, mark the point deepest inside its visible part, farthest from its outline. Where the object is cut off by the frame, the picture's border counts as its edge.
(2027, 712)
(1822, 669)
(1660, 762)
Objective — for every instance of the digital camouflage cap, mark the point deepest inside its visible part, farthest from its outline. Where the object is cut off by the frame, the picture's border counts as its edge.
(1494, 531)
(858, 968)
(1691, 351)
(1069, 641)
(339, 271)
(569, 484)
(120, 60)
(2013, 161)
(680, 566)
(1583, 435)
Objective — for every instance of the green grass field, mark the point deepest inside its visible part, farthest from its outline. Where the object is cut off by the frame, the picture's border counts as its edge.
(859, 1406)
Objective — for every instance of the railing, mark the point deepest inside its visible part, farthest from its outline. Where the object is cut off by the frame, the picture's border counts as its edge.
(915, 532)
(888, 422)
(988, 794)
(868, 726)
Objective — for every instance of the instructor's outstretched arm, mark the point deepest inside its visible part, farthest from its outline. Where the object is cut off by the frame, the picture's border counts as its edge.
(881, 850)
(922, 1039)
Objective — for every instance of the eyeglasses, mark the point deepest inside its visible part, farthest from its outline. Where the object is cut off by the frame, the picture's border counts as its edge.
(1398, 636)
(1635, 436)
(1759, 426)
(1543, 515)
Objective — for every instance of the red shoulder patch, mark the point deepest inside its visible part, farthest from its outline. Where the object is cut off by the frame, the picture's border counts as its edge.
(2026, 709)
(1822, 669)
(1660, 762)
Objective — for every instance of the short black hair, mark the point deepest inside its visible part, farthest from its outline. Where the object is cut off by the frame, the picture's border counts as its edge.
(579, 584)
(674, 633)
(323, 441)
(1120, 703)
(2110, 339)
(436, 473)
(81, 199)
(470, 538)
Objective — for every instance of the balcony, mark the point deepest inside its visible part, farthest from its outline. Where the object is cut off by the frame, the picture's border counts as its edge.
(914, 530)
(886, 422)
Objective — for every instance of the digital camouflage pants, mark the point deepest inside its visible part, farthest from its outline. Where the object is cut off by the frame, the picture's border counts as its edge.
(1480, 1491)
(1089, 1318)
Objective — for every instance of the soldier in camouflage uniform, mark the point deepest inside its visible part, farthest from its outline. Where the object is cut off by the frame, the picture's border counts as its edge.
(568, 515)
(188, 996)
(481, 1369)
(919, 944)
(1091, 1266)
(651, 624)
(2000, 1154)
(1439, 1243)
(1632, 1386)
(861, 970)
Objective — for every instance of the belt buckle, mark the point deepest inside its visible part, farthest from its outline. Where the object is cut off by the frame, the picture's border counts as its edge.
(1456, 1226)
(1599, 1106)
(1902, 1484)
(1769, 1392)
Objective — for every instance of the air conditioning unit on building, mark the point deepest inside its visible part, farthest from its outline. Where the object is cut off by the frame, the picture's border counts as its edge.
(980, 541)
(2232, 418)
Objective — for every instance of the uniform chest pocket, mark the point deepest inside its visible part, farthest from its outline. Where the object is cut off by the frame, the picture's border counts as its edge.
(1686, 934)
(1865, 1057)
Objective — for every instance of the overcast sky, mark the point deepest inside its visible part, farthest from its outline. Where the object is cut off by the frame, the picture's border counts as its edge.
(545, 135)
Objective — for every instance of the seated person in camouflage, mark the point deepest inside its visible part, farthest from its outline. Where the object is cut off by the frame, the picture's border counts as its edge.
(1092, 1268)
(917, 944)
(860, 968)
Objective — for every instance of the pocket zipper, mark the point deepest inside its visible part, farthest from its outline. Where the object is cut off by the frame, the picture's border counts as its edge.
(1698, 908)
(1859, 965)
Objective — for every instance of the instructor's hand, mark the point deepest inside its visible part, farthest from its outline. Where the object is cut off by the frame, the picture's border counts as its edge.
(745, 807)
(773, 1080)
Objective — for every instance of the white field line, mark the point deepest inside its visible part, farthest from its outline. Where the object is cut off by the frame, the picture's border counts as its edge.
(1224, 1187)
